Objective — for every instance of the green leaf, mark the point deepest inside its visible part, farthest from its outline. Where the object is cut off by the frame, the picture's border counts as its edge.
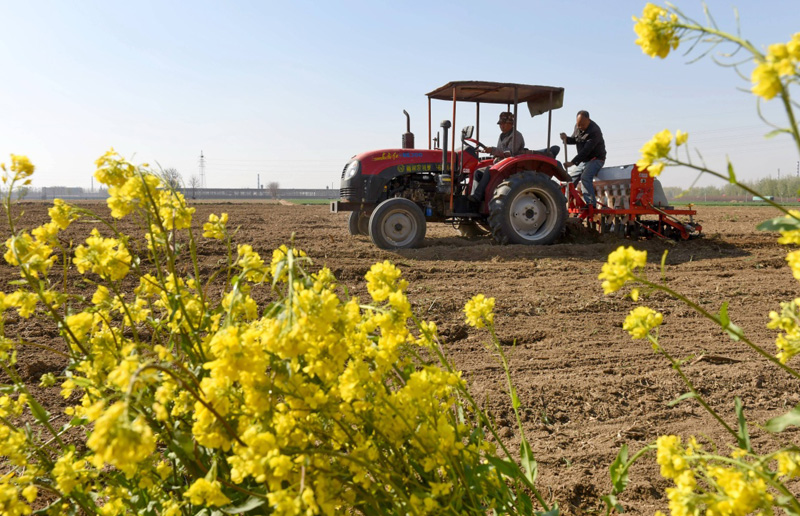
(525, 503)
(780, 224)
(612, 503)
(77, 421)
(515, 399)
(780, 423)
(731, 329)
(619, 470)
(38, 411)
(731, 173)
(81, 382)
(528, 461)
(683, 397)
(507, 468)
(212, 472)
(554, 511)
(776, 132)
(742, 435)
(183, 441)
(246, 506)
(724, 320)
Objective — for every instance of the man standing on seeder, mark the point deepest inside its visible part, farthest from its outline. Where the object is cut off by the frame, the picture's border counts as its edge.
(591, 154)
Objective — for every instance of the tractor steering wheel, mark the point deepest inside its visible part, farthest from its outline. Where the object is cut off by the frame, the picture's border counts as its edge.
(475, 143)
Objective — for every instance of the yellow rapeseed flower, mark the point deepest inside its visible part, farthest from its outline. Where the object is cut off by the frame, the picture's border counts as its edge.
(70, 473)
(620, 266)
(216, 226)
(739, 493)
(790, 236)
(79, 325)
(62, 214)
(788, 321)
(788, 463)
(119, 440)
(252, 265)
(10, 502)
(21, 166)
(24, 302)
(641, 320)
(781, 61)
(112, 170)
(383, 279)
(278, 267)
(766, 80)
(793, 259)
(656, 149)
(203, 492)
(33, 255)
(106, 257)
(670, 456)
(479, 311)
(657, 31)
(30, 493)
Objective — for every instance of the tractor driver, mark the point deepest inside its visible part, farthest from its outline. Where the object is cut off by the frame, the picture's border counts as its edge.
(591, 153)
(510, 143)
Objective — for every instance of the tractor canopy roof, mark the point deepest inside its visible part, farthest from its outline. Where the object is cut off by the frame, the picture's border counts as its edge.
(540, 99)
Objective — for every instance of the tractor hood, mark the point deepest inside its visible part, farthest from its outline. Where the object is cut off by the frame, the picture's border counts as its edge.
(403, 160)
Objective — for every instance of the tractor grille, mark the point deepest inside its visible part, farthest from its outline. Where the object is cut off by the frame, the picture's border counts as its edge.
(344, 169)
(350, 194)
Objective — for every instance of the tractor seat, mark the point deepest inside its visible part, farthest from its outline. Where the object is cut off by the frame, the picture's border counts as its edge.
(552, 152)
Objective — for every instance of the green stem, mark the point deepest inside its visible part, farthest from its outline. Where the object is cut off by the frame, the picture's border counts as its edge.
(726, 178)
(676, 366)
(488, 424)
(230, 431)
(757, 56)
(716, 320)
(758, 471)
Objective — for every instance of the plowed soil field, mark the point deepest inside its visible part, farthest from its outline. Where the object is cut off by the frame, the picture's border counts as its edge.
(586, 387)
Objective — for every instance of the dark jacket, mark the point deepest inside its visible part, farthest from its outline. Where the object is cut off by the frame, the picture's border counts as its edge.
(589, 142)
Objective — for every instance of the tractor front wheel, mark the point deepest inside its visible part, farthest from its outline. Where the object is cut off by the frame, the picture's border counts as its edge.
(527, 208)
(397, 223)
(358, 223)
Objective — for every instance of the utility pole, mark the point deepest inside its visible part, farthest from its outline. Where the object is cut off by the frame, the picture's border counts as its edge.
(202, 170)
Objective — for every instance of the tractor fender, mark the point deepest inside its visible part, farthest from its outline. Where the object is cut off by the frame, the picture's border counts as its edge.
(533, 162)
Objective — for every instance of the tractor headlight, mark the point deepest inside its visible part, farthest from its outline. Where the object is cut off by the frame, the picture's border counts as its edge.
(351, 169)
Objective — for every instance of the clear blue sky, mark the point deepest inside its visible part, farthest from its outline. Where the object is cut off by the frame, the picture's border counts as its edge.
(291, 90)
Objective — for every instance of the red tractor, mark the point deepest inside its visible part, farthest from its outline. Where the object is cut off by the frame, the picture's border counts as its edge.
(392, 194)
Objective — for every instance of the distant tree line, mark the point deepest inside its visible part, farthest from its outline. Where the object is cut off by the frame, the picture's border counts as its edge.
(784, 188)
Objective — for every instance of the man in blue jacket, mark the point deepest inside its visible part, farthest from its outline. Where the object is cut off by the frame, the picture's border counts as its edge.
(591, 153)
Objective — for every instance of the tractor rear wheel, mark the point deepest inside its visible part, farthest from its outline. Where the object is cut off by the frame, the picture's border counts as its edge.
(358, 223)
(397, 223)
(527, 208)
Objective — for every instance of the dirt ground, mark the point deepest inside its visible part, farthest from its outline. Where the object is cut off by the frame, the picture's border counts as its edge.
(586, 387)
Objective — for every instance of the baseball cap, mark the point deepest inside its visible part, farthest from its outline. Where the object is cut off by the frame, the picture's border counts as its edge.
(506, 116)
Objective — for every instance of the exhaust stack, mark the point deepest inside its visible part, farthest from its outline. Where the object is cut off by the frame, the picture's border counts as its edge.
(445, 125)
(408, 137)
